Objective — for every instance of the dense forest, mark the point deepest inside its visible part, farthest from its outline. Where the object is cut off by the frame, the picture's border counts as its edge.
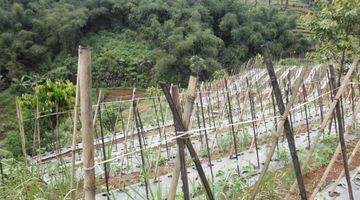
(138, 42)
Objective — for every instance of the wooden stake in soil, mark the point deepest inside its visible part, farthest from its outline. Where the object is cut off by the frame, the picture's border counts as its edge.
(86, 122)
(334, 157)
(341, 135)
(104, 152)
(320, 103)
(139, 132)
(163, 124)
(276, 133)
(21, 130)
(182, 126)
(188, 107)
(327, 117)
(181, 146)
(232, 126)
(288, 131)
(205, 132)
(74, 136)
(306, 114)
(253, 117)
(289, 92)
(199, 124)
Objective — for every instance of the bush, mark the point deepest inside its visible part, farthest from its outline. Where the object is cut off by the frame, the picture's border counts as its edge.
(12, 143)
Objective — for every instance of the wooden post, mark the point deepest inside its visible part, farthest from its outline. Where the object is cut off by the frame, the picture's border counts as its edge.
(253, 117)
(320, 103)
(182, 126)
(289, 92)
(306, 114)
(199, 124)
(104, 151)
(276, 133)
(74, 136)
(205, 132)
(327, 117)
(188, 107)
(288, 131)
(181, 145)
(139, 133)
(232, 126)
(163, 124)
(87, 129)
(333, 159)
(341, 135)
(262, 107)
(275, 119)
(210, 109)
(21, 130)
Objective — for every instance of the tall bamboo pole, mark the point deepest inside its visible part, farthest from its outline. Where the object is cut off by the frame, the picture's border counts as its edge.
(276, 133)
(74, 136)
(340, 121)
(87, 128)
(327, 116)
(335, 155)
(205, 132)
(188, 107)
(288, 131)
(306, 114)
(139, 133)
(231, 121)
(21, 130)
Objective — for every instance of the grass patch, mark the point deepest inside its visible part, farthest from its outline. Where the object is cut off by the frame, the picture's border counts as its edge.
(7, 111)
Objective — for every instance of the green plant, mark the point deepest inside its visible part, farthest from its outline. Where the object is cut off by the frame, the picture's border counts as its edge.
(29, 183)
(283, 155)
(49, 97)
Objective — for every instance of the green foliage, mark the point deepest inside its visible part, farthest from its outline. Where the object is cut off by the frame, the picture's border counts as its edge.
(139, 42)
(51, 97)
(12, 143)
(29, 184)
(336, 27)
(229, 185)
(119, 60)
(219, 74)
(283, 155)
(153, 91)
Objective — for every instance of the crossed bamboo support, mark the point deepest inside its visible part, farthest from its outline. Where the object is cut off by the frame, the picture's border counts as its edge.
(327, 117)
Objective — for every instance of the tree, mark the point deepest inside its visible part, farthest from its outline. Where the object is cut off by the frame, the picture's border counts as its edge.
(336, 27)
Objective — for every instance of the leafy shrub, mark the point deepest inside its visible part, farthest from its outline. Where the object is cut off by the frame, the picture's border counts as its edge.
(12, 143)
(51, 97)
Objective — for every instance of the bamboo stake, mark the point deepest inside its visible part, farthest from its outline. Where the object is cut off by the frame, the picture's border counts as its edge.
(163, 120)
(335, 155)
(232, 126)
(306, 114)
(327, 116)
(206, 136)
(74, 136)
(252, 111)
(188, 107)
(21, 130)
(139, 132)
(341, 136)
(103, 149)
(125, 134)
(287, 128)
(182, 127)
(199, 124)
(276, 133)
(86, 117)
(356, 149)
(181, 146)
